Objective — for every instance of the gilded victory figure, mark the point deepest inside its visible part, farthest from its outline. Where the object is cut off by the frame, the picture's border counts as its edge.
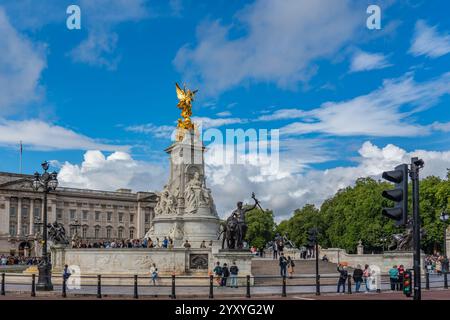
(185, 97)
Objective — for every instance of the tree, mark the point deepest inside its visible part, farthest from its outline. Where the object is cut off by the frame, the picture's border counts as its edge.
(260, 227)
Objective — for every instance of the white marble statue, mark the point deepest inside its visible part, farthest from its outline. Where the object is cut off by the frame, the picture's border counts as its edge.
(167, 203)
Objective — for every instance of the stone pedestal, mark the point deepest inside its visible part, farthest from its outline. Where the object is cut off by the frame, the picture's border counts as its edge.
(360, 248)
(185, 209)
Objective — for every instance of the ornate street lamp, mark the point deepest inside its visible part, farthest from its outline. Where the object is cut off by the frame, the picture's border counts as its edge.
(444, 218)
(46, 182)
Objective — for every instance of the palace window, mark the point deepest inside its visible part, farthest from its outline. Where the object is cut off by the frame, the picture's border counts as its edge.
(12, 230)
(147, 218)
(97, 232)
(131, 218)
(25, 212)
(84, 232)
(108, 232)
(37, 211)
(12, 211)
(97, 215)
(85, 214)
(120, 217)
(25, 229)
(59, 214)
(131, 233)
(109, 216)
(120, 233)
(73, 214)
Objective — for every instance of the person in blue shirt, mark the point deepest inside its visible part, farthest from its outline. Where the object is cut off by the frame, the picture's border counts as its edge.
(66, 274)
(165, 242)
(393, 277)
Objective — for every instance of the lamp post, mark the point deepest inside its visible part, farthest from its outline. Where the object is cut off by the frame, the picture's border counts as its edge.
(46, 182)
(444, 217)
(37, 234)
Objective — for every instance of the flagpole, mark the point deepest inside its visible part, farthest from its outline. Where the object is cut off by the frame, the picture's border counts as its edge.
(21, 156)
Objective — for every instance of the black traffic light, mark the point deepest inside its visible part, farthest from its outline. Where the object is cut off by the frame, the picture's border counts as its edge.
(312, 237)
(399, 195)
(407, 283)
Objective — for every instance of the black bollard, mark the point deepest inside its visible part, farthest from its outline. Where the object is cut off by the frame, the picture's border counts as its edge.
(349, 282)
(64, 294)
(99, 286)
(247, 295)
(283, 292)
(211, 286)
(318, 285)
(3, 284)
(427, 280)
(445, 281)
(135, 295)
(173, 296)
(33, 285)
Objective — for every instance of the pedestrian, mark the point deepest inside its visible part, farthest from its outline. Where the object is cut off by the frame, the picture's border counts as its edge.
(290, 265)
(165, 242)
(357, 277)
(445, 264)
(187, 245)
(343, 274)
(234, 270)
(283, 264)
(66, 274)
(218, 272)
(393, 277)
(275, 250)
(366, 276)
(170, 243)
(401, 273)
(154, 273)
(225, 275)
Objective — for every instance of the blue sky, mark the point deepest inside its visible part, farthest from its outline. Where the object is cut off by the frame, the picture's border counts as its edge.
(348, 101)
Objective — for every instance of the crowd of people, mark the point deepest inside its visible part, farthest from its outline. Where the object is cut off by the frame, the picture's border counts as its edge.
(223, 272)
(18, 260)
(166, 242)
(436, 264)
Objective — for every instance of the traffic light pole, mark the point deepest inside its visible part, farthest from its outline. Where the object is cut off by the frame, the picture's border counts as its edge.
(317, 269)
(414, 174)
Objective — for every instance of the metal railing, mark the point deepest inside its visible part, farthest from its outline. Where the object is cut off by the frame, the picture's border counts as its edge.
(206, 286)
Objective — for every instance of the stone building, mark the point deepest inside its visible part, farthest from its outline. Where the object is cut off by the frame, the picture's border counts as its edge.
(100, 215)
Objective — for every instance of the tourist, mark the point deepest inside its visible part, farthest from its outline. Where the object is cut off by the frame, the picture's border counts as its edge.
(358, 277)
(203, 244)
(275, 250)
(165, 242)
(290, 265)
(283, 264)
(187, 245)
(157, 244)
(66, 274)
(401, 273)
(225, 275)
(154, 273)
(170, 243)
(343, 274)
(234, 270)
(393, 277)
(218, 272)
(325, 258)
(445, 264)
(280, 246)
(366, 276)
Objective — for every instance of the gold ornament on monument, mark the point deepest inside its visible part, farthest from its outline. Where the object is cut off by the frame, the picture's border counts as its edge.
(185, 99)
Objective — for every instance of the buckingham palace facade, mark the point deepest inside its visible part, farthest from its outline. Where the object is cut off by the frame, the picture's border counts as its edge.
(96, 215)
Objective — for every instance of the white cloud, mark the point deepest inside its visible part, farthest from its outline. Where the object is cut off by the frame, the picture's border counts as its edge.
(118, 170)
(100, 17)
(41, 135)
(21, 65)
(383, 112)
(282, 114)
(429, 42)
(281, 41)
(364, 61)
(149, 128)
(206, 122)
(440, 126)
(223, 114)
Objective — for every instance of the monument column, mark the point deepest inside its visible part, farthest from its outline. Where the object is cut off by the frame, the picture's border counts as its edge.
(19, 216)
(4, 225)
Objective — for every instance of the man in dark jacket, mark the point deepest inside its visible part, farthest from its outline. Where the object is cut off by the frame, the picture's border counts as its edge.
(343, 274)
(225, 275)
(283, 264)
(357, 277)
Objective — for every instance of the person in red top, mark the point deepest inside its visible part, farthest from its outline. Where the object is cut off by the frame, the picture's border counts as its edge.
(401, 272)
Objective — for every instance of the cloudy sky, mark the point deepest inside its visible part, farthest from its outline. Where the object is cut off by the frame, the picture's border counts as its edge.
(348, 101)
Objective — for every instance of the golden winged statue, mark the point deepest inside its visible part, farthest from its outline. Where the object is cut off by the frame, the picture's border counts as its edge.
(185, 99)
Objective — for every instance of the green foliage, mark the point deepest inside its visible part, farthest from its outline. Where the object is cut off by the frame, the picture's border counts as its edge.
(260, 226)
(354, 214)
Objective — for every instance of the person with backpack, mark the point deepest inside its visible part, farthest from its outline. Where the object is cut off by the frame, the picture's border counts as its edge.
(218, 273)
(343, 274)
(291, 265)
(234, 270)
(358, 277)
(283, 264)
(225, 275)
